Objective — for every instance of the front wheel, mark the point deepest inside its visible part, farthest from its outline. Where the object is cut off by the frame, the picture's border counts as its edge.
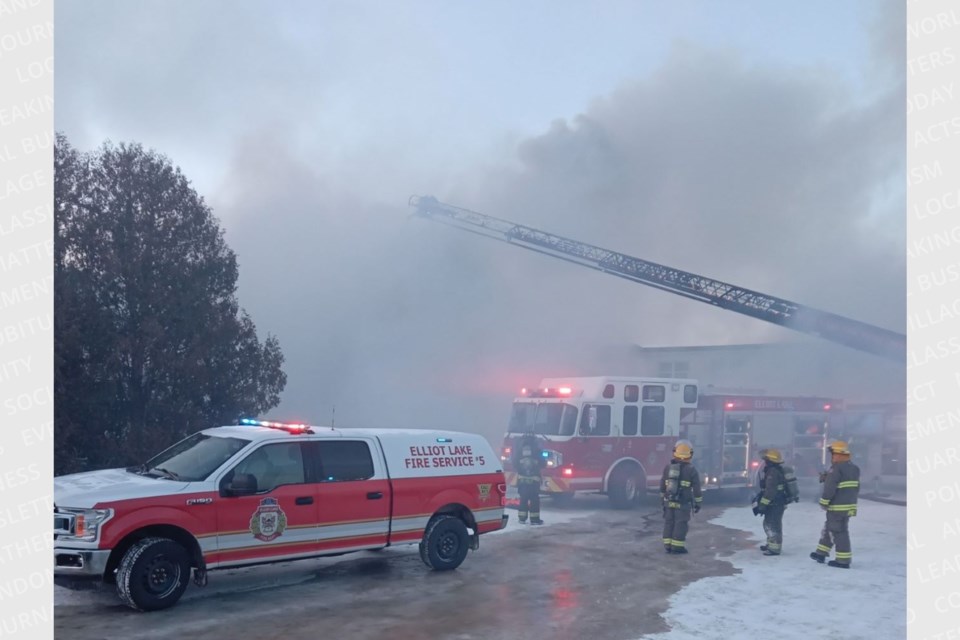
(445, 543)
(153, 574)
(624, 488)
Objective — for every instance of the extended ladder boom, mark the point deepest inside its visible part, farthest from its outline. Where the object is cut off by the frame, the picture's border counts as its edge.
(838, 329)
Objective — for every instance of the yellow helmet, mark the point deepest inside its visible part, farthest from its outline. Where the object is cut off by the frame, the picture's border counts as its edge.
(773, 455)
(682, 451)
(839, 447)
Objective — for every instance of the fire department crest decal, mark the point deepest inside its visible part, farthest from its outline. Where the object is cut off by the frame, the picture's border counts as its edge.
(269, 521)
(484, 491)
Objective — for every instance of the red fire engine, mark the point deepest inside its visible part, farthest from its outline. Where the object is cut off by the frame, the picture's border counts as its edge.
(605, 434)
(613, 435)
(729, 431)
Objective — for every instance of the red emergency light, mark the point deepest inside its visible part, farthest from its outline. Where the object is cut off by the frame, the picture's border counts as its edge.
(731, 405)
(289, 427)
(568, 471)
(547, 392)
(826, 407)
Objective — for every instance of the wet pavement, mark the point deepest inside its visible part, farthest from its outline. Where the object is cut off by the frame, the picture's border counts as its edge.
(590, 572)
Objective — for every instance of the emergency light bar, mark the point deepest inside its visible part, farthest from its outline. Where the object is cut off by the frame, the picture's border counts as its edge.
(557, 392)
(289, 427)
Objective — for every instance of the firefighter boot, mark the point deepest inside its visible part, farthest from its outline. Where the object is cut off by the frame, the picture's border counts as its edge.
(770, 552)
(535, 520)
(819, 557)
(839, 565)
(763, 547)
(679, 550)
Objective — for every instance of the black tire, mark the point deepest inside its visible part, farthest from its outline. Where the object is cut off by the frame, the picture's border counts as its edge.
(445, 543)
(625, 486)
(153, 574)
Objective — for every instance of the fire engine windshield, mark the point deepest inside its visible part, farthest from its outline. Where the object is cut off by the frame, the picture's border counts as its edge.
(193, 458)
(545, 418)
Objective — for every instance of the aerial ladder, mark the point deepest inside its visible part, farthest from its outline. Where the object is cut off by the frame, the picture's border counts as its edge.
(829, 326)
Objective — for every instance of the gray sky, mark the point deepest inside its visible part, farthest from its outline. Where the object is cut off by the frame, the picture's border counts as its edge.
(755, 143)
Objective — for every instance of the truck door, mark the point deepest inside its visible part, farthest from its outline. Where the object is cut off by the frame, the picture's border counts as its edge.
(267, 506)
(597, 446)
(353, 496)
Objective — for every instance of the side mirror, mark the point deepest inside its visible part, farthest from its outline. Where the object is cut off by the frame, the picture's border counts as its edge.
(242, 484)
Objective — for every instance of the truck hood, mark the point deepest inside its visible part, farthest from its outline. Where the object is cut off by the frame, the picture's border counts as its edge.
(84, 490)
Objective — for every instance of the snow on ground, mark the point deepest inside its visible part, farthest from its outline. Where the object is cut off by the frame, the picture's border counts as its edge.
(791, 596)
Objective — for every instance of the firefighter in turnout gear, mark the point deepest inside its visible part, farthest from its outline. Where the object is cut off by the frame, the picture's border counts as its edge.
(528, 467)
(680, 490)
(841, 486)
(772, 501)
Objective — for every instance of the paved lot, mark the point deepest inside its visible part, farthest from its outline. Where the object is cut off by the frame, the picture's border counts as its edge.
(591, 572)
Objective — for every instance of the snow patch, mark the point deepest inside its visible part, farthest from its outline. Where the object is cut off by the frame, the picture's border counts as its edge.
(792, 597)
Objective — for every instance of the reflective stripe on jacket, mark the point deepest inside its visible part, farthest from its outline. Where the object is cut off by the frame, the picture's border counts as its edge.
(528, 470)
(841, 488)
(689, 486)
(774, 485)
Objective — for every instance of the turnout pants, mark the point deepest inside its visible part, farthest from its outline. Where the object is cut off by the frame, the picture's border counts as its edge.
(529, 501)
(773, 527)
(675, 524)
(836, 531)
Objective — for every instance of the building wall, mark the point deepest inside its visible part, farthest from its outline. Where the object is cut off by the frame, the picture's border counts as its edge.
(812, 368)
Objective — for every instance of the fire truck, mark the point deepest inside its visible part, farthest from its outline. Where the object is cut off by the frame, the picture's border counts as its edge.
(604, 434)
(614, 435)
(729, 432)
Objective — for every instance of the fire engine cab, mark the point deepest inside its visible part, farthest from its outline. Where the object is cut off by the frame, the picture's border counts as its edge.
(263, 492)
(605, 434)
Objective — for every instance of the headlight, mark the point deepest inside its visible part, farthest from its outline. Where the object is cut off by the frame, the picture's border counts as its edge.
(553, 458)
(84, 524)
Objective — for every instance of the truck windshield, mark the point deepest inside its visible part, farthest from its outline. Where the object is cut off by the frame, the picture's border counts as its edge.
(194, 458)
(545, 418)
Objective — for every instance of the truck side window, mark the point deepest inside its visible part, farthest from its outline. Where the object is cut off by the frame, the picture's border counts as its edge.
(273, 465)
(601, 422)
(630, 419)
(568, 423)
(689, 393)
(651, 421)
(345, 461)
(608, 391)
(631, 393)
(654, 393)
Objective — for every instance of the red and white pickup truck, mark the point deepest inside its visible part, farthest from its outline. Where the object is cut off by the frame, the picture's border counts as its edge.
(269, 492)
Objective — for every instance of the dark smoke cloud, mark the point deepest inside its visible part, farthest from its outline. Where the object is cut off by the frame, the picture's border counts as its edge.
(780, 179)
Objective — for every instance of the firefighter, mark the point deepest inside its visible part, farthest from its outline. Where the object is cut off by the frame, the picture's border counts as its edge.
(841, 486)
(528, 467)
(680, 490)
(772, 501)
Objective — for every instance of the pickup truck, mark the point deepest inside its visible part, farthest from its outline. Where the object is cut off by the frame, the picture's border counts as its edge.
(263, 492)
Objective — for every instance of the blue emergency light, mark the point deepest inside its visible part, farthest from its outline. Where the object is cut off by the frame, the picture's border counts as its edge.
(289, 427)
(444, 440)
(545, 454)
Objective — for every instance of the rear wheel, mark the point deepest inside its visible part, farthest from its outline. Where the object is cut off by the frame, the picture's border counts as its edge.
(445, 543)
(153, 574)
(625, 486)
